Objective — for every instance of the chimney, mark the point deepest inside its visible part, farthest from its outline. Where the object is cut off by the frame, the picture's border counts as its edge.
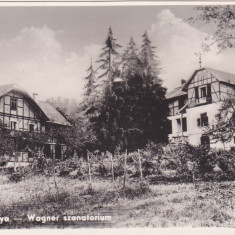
(183, 82)
(35, 97)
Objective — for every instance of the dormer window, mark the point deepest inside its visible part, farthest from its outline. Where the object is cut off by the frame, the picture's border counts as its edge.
(203, 91)
(13, 103)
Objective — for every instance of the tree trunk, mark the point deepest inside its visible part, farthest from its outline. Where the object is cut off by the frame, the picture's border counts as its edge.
(124, 179)
(89, 168)
(140, 166)
(111, 157)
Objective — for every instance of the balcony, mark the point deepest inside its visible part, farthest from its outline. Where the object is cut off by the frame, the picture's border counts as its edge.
(200, 101)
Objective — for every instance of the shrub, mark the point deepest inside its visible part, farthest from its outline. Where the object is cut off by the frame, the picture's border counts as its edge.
(226, 162)
(19, 174)
(102, 170)
(16, 177)
(3, 161)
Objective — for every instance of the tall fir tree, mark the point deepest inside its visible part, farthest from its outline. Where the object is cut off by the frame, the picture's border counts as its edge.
(90, 93)
(150, 63)
(90, 80)
(107, 57)
(135, 110)
(130, 59)
(132, 115)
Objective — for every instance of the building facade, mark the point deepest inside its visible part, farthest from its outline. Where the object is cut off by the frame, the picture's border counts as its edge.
(20, 112)
(194, 105)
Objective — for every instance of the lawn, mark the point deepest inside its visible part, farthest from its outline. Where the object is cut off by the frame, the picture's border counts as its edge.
(205, 204)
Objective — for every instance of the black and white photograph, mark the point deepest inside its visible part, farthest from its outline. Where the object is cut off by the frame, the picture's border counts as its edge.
(117, 115)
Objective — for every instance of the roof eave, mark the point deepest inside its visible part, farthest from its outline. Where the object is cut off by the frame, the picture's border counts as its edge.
(56, 123)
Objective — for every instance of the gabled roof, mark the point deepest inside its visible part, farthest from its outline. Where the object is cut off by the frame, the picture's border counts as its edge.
(4, 89)
(53, 114)
(219, 75)
(46, 110)
(175, 93)
(222, 76)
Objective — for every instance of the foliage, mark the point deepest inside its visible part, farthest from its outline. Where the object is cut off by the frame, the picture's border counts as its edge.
(223, 129)
(223, 17)
(90, 78)
(131, 116)
(225, 160)
(6, 145)
(16, 177)
(174, 204)
(123, 112)
(3, 161)
(131, 63)
(108, 55)
(68, 107)
(19, 174)
(135, 190)
(149, 61)
(135, 110)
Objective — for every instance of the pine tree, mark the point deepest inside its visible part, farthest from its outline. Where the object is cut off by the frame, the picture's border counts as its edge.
(107, 57)
(90, 78)
(92, 94)
(130, 59)
(135, 111)
(149, 59)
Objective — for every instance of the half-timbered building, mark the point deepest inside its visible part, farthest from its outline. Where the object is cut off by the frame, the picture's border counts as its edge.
(20, 112)
(194, 105)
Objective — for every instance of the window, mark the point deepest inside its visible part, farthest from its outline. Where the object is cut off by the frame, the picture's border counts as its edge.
(13, 125)
(184, 124)
(169, 127)
(208, 90)
(174, 107)
(196, 93)
(13, 103)
(203, 92)
(31, 127)
(203, 120)
(182, 102)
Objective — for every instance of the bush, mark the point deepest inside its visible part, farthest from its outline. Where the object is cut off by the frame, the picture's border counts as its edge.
(71, 167)
(225, 161)
(16, 177)
(19, 174)
(3, 161)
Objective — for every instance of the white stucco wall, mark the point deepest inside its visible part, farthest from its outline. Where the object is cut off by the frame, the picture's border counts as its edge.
(194, 132)
(193, 114)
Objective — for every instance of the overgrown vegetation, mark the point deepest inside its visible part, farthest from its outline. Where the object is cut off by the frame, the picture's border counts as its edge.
(137, 205)
(155, 163)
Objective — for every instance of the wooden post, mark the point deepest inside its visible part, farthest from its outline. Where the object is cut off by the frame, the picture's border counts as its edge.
(89, 167)
(140, 165)
(111, 157)
(124, 179)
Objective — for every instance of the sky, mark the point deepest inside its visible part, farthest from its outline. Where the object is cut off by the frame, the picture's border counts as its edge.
(47, 50)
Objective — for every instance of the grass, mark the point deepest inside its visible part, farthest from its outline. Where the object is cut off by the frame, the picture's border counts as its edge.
(165, 205)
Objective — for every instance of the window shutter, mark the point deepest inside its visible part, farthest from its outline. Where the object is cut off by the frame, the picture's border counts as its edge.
(196, 93)
(206, 121)
(209, 90)
(198, 122)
